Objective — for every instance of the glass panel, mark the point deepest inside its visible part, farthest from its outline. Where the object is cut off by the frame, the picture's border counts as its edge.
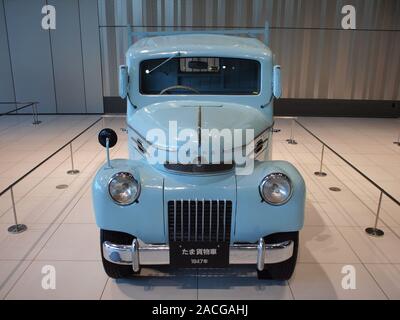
(200, 75)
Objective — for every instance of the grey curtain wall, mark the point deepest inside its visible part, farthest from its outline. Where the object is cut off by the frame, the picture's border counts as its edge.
(61, 68)
(70, 69)
(318, 58)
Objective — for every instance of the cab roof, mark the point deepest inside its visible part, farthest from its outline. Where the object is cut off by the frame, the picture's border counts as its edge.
(202, 44)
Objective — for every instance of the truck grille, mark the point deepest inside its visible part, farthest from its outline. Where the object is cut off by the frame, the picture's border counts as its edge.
(199, 220)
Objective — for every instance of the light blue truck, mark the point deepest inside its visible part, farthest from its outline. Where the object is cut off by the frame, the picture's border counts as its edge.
(216, 203)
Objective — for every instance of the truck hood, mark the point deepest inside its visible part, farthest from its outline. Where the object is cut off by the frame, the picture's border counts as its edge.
(194, 115)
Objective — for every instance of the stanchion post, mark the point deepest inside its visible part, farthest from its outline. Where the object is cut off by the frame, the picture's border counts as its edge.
(320, 173)
(16, 227)
(35, 114)
(374, 231)
(73, 170)
(291, 139)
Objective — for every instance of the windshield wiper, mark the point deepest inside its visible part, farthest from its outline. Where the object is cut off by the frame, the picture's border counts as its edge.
(164, 62)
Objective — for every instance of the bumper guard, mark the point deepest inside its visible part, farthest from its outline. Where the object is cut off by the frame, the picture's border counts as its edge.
(150, 254)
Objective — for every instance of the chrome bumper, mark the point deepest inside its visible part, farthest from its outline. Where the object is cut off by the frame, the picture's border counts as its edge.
(140, 253)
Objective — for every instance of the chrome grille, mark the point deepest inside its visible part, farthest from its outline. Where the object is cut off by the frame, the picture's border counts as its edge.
(199, 220)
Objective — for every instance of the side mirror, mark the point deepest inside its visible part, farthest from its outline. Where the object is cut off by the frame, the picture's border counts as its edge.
(111, 135)
(276, 82)
(123, 81)
(108, 139)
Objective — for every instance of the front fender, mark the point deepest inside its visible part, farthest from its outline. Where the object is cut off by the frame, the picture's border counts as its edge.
(143, 219)
(256, 218)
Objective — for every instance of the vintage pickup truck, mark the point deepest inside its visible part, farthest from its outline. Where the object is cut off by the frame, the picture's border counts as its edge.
(193, 208)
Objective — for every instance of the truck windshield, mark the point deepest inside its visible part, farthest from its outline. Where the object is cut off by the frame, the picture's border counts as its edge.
(200, 76)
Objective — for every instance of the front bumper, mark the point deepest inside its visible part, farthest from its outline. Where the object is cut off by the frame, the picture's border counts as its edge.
(140, 253)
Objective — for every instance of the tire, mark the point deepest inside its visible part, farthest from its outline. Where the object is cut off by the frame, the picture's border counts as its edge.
(282, 270)
(113, 270)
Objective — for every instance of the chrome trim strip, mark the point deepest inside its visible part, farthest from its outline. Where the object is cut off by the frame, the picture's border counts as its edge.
(135, 255)
(214, 224)
(195, 231)
(137, 150)
(210, 224)
(260, 254)
(217, 238)
(199, 121)
(216, 172)
(189, 220)
(150, 254)
(262, 132)
(181, 219)
(202, 227)
(224, 220)
(137, 133)
(174, 220)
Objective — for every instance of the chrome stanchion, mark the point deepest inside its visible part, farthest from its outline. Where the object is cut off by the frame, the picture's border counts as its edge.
(35, 115)
(374, 231)
(291, 139)
(73, 170)
(16, 227)
(320, 173)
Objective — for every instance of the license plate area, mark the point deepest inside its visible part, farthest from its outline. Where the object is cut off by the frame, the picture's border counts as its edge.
(191, 254)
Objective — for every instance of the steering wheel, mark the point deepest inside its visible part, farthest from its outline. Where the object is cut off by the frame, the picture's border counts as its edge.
(179, 87)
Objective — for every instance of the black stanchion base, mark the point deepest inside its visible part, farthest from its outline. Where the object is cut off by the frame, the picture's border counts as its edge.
(72, 172)
(320, 174)
(375, 232)
(291, 141)
(17, 228)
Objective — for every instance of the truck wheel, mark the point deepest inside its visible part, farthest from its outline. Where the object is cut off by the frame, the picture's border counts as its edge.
(282, 270)
(116, 271)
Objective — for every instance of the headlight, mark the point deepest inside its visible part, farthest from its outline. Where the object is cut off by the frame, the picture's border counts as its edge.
(276, 188)
(124, 189)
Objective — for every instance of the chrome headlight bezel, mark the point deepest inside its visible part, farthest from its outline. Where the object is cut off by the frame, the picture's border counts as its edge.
(274, 175)
(125, 175)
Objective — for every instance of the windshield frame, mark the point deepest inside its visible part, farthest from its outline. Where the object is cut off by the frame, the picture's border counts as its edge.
(191, 94)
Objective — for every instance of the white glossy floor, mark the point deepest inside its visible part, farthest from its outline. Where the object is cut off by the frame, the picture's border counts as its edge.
(23, 145)
(366, 143)
(61, 231)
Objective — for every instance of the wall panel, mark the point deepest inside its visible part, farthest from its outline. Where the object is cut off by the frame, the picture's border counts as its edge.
(67, 58)
(30, 53)
(91, 55)
(6, 80)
